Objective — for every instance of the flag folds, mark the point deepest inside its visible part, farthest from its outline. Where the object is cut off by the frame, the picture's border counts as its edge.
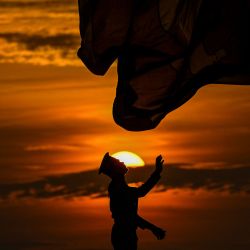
(166, 50)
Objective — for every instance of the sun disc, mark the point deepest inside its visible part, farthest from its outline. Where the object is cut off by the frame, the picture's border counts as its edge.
(130, 159)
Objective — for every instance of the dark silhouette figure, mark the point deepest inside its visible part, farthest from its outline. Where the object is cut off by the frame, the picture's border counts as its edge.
(124, 203)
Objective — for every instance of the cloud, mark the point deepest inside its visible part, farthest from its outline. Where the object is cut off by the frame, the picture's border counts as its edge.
(89, 183)
(34, 3)
(53, 129)
(52, 147)
(38, 49)
(34, 41)
(45, 32)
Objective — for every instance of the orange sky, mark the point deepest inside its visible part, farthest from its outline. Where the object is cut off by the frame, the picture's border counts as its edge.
(193, 220)
(59, 119)
(56, 118)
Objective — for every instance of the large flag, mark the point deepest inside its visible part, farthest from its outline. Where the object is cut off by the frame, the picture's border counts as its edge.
(166, 51)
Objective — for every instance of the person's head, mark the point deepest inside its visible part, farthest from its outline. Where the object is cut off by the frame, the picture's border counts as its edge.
(112, 167)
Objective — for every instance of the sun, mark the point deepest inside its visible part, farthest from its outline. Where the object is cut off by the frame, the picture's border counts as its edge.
(130, 159)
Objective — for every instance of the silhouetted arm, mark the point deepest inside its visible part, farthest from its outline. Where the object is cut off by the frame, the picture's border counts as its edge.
(153, 179)
(148, 185)
(143, 224)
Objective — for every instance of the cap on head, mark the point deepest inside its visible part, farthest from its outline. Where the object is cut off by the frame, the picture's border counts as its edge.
(104, 167)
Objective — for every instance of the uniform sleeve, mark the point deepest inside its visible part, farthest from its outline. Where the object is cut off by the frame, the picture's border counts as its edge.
(148, 185)
(143, 224)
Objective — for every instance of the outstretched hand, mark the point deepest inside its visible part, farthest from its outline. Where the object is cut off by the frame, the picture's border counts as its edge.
(159, 163)
(159, 233)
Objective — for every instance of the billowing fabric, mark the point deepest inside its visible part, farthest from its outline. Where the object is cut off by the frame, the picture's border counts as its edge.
(166, 51)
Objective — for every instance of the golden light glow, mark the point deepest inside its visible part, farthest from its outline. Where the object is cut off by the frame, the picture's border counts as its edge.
(130, 159)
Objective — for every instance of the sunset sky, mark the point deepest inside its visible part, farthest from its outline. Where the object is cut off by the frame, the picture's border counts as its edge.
(56, 123)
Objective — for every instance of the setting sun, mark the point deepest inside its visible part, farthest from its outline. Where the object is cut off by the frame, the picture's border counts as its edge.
(129, 158)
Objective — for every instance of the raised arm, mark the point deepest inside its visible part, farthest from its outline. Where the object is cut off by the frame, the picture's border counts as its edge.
(143, 224)
(153, 179)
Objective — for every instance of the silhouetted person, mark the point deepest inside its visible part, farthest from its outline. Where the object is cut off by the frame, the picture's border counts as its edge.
(124, 203)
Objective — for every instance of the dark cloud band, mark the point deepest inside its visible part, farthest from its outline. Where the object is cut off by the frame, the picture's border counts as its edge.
(35, 3)
(32, 42)
(89, 183)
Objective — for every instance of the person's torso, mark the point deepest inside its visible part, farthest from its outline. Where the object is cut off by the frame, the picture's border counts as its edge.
(124, 206)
